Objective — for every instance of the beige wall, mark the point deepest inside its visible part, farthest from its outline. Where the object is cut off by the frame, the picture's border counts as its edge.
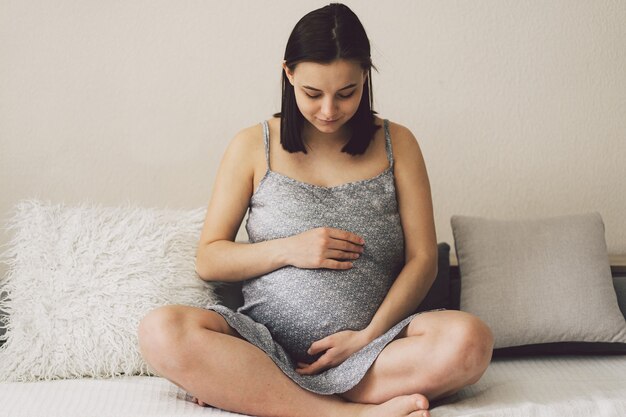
(519, 107)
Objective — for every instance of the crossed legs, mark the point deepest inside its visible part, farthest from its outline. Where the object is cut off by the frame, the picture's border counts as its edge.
(197, 350)
(436, 355)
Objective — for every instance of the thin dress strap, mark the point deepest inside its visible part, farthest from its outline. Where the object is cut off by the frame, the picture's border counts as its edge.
(266, 141)
(388, 143)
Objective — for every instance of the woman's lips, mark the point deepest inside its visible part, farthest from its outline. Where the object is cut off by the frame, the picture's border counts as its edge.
(327, 121)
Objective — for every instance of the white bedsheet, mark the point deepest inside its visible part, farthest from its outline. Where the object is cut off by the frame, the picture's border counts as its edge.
(545, 386)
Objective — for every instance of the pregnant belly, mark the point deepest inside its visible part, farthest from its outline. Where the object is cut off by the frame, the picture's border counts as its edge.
(301, 306)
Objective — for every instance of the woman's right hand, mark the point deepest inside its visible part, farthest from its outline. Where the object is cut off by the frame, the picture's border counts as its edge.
(324, 247)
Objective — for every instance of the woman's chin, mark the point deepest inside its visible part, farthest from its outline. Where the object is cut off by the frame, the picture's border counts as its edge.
(328, 126)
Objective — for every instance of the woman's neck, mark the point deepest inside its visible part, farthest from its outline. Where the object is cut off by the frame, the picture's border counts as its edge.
(318, 141)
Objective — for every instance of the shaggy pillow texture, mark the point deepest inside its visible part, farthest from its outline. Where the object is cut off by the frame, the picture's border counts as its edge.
(537, 281)
(81, 278)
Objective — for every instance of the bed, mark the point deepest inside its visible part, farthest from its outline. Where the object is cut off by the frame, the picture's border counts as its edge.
(536, 386)
(89, 263)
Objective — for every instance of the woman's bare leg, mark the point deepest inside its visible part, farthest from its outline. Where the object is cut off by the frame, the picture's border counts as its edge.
(197, 350)
(437, 354)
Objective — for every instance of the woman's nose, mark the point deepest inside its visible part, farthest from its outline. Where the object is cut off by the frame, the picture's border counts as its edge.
(328, 108)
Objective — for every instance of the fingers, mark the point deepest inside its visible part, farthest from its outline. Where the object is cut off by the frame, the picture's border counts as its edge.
(337, 248)
(345, 235)
(320, 346)
(340, 255)
(344, 240)
(332, 264)
(342, 246)
(345, 246)
(316, 367)
(336, 259)
(323, 362)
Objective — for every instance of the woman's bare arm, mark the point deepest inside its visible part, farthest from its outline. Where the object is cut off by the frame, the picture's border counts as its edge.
(219, 258)
(416, 213)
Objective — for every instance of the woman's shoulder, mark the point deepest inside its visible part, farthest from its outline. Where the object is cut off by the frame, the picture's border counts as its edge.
(247, 146)
(249, 138)
(401, 136)
(251, 133)
(254, 133)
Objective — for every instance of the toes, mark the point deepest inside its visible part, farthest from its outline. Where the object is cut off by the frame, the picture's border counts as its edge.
(421, 401)
(199, 402)
(416, 405)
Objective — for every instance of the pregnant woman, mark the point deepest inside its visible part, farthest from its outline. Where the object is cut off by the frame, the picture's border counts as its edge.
(342, 251)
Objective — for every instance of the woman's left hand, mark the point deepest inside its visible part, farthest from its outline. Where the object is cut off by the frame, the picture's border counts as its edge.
(338, 346)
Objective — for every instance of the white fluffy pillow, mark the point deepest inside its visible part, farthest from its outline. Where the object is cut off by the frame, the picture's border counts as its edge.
(81, 278)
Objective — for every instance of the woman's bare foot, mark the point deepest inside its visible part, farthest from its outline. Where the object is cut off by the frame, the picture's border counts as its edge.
(415, 405)
(200, 403)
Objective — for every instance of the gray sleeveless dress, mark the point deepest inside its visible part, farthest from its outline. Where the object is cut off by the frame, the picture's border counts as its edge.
(288, 309)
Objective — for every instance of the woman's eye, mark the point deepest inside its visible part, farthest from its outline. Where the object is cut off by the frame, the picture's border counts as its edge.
(340, 96)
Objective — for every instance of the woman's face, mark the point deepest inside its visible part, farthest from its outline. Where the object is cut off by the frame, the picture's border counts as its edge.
(328, 95)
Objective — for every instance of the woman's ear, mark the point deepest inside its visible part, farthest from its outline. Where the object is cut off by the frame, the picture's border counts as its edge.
(288, 72)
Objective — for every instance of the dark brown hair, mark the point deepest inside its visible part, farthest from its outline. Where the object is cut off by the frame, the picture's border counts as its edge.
(323, 36)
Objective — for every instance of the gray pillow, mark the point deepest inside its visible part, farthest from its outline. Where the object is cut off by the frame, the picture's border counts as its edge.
(538, 281)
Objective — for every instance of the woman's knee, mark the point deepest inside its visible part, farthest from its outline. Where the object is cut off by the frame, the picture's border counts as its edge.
(463, 345)
(160, 330)
(475, 341)
(168, 335)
